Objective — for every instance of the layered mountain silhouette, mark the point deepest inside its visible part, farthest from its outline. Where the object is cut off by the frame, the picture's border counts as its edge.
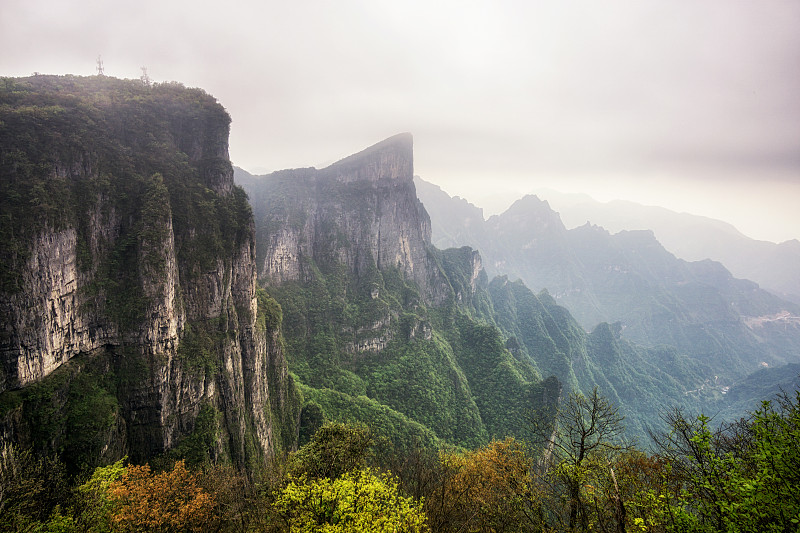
(629, 277)
(774, 267)
(390, 317)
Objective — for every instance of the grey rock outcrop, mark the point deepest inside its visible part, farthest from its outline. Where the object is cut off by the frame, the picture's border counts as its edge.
(145, 287)
(361, 211)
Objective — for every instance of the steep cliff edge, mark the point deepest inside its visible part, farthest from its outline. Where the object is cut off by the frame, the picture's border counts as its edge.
(128, 298)
(361, 211)
(382, 327)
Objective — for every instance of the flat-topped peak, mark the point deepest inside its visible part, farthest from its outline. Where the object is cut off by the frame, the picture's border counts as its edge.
(402, 144)
(392, 158)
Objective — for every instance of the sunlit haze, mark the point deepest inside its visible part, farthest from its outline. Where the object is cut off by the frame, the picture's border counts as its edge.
(689, 105)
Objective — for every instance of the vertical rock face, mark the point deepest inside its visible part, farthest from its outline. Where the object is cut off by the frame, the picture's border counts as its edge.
(51, 318)
(376, 311)
(132, 272)
(361, 211)
(47, 330)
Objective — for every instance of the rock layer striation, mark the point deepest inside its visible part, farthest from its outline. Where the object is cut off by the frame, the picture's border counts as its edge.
(362, 212)
(132, 272)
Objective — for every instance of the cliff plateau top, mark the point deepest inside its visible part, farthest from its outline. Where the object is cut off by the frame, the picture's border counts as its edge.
(390, 159)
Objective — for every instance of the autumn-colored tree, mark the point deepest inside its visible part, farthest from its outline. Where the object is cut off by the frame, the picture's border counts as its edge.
(488, 489)
(172, 500)
(354, 502)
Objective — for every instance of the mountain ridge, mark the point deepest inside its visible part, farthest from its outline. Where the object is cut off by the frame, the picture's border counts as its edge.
(627, 277)
(393, 313)
(129, 281)
(693, 237)
(370, 329)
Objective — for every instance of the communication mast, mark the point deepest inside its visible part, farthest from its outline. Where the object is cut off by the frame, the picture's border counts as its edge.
(100, 66)
(144, 77)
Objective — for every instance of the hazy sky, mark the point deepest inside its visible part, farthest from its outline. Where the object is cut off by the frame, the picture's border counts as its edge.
(690, 104)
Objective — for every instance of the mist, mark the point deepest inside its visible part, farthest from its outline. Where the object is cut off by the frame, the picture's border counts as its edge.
(691, 106)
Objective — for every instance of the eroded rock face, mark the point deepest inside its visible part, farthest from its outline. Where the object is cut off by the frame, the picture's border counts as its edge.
(148, 278)
(361, 211)
(50, 320)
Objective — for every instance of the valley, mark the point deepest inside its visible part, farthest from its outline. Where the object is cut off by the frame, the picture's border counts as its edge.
(169, 320)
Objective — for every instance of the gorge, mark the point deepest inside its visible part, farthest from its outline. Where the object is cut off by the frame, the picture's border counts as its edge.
(154, 307)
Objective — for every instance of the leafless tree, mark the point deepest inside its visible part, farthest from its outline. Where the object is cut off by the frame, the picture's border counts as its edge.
(581, 434)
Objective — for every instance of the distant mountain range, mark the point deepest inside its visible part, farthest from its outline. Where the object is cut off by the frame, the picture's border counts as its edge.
(628, 277)
(775, 267)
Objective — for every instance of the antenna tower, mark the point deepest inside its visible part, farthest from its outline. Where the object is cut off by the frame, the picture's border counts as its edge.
(100, 66)
(144, 77)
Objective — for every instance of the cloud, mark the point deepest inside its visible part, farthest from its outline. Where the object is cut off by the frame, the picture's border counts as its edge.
(514, 94)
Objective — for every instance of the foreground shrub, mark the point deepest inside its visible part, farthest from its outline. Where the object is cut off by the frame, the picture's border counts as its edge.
(357, 501)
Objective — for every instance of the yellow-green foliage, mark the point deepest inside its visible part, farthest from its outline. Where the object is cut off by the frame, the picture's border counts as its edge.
(357, 501)
(98, 507)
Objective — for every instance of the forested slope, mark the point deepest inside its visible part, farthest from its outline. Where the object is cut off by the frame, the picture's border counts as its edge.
(130, 324)
(372, 309)
(699, 308)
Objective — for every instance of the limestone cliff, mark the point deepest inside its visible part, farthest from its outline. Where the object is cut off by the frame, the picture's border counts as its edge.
(361, 211)
(128, 277)
(382, 327)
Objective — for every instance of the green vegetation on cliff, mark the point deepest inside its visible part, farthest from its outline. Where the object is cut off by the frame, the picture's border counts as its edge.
(126, 285)
(75, 152)
(340, 337)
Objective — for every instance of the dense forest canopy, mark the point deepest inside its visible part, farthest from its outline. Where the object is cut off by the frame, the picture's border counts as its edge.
(741, 477)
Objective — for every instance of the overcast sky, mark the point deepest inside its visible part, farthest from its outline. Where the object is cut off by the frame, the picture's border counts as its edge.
(690, 104)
